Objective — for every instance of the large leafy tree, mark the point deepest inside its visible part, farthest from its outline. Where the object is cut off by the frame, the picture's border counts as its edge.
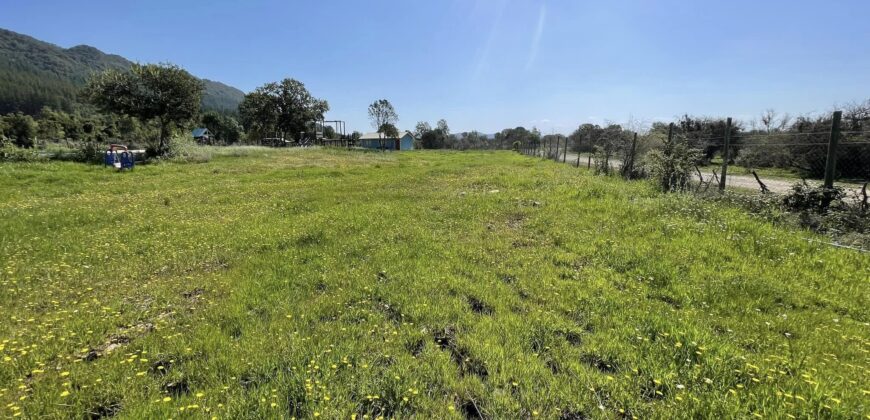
(20, 128)
(50, 124)
(708, 134)
(382, 112)
(421, 128)
(585, 137)
(384, 118)
(164, 93)
(472, 140)
(506, 138)
(443, 127)
(389, 131)
(280, 107)
(434, 138)
(224, 127)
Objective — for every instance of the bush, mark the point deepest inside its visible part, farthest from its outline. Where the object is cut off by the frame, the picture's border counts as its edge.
(761, 156)
(671, 167)
(829, 210)
(11, 153)
(768, 206)
(601, 160)
(184, 149)
(89, 152)
(805, 197)
(845, 219)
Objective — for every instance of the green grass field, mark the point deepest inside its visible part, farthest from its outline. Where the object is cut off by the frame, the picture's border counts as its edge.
(342, 284)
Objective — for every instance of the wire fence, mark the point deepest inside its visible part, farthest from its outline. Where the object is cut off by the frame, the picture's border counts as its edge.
(825, 152)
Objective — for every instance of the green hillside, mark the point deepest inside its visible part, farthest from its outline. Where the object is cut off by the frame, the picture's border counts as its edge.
(34, 74)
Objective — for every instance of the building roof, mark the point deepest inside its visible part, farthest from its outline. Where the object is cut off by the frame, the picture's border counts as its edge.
(200, 132)
(377, 136)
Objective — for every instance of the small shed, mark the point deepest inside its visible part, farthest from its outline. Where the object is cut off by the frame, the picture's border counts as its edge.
(202, 135)
(405, 141)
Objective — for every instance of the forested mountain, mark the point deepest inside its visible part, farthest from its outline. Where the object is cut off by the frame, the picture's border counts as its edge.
(34, 74)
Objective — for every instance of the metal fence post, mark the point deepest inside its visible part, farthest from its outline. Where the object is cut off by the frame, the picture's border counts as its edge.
(726, 155)
(831, 163)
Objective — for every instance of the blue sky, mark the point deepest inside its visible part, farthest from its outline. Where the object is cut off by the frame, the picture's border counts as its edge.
(492, 64)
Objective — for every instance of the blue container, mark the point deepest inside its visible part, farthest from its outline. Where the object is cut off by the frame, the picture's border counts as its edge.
(110, 158)
(127, 160)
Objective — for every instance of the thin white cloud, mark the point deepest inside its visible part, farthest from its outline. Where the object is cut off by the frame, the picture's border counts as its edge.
(536, 40)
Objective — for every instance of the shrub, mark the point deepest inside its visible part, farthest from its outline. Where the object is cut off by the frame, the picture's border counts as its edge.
(845, 220)
(89, 152)
(11, 153)
(185, 149)
(805, 197)
(601, 160)
(671, 166)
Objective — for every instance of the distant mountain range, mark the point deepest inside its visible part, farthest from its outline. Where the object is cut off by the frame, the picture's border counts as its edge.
(34, 74)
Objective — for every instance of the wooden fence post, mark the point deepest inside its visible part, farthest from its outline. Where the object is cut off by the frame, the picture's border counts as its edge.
(668, 152)
(726, 155)
(831, 163)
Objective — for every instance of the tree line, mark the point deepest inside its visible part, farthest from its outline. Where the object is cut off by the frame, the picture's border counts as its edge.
(149, 103)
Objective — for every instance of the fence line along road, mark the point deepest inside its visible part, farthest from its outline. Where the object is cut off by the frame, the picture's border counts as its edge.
(830, 153)
(740, 181)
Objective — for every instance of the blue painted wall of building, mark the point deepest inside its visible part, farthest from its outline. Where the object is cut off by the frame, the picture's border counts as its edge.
(405, 143)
